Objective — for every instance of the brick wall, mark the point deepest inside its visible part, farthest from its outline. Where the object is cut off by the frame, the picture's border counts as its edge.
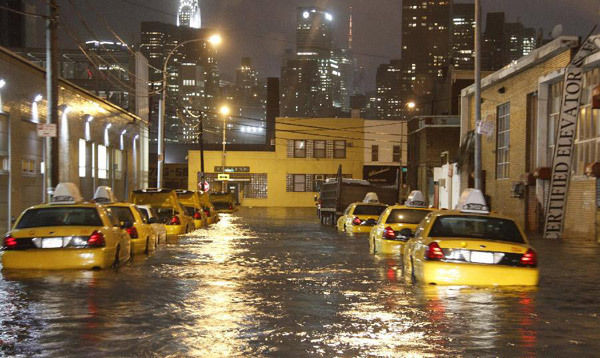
(580, 215)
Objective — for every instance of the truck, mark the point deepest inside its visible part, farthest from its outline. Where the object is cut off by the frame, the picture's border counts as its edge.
(337, 193)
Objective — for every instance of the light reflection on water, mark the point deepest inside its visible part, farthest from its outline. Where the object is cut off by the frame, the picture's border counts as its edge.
(273, 282)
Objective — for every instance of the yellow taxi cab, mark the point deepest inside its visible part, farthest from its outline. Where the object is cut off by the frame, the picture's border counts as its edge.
(223, 202)
(151, 217)
(191, 203)
(143, 237)
(361, 216)
(470, 246)
(395, 224)
(212, 217)
(66, 233)
(168, 208)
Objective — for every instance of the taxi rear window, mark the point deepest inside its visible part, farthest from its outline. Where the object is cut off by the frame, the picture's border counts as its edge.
(63, 216)
(476, 227)
(406, 216)
(369, 209)
(122, 213)
(221, 205)
(189, 210)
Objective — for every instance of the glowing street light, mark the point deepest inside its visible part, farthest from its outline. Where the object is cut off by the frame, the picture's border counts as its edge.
(215, 39)
(411, 105)
(224, 110)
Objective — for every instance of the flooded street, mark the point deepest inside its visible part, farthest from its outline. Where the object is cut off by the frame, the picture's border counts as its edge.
(273, 282)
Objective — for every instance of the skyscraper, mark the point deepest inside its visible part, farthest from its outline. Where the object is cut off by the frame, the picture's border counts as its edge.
(188, 14)
(306, 77)
(425, 47)
(505, 42)
(389, 91)
(462, 36)
(192, 81)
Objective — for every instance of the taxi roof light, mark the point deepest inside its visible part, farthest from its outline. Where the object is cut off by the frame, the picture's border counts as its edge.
(371, 198)
(104, 194)
(66, 193)
(416, 200)
(472, 201)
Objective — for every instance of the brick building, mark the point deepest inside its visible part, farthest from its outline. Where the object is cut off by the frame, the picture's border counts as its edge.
(521, 103)
(428, 138)
(98, 142)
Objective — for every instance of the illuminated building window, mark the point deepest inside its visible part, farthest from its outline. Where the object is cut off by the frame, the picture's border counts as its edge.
(503, 141)
(299, 149)
(82, 158)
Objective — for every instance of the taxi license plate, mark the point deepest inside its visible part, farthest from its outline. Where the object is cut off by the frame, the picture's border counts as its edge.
(52, 243)
(482, 257)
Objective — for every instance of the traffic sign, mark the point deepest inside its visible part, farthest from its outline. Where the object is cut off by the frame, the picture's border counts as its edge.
(204, 186)
(223, 177)
(46, 129)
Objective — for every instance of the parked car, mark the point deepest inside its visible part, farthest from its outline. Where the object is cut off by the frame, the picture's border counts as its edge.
(169, 210)
(66, 233)
(152, 218)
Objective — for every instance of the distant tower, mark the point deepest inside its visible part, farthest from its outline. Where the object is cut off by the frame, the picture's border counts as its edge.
(350, 31)
(188, 14)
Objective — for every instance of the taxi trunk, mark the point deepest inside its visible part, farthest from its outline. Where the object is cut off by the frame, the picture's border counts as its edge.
(479, 262)
(56, 248)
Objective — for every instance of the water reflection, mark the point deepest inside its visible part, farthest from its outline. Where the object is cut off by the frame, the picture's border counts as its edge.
(273, 282)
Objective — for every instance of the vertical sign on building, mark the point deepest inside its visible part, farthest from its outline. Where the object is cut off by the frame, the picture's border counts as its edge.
(565, 136)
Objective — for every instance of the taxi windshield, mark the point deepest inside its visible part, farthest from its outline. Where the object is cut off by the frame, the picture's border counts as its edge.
(369, 209)
(60, 216)
(406, 216)
(476, 227)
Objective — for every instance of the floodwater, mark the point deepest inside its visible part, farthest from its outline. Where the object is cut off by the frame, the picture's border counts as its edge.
(274, 283)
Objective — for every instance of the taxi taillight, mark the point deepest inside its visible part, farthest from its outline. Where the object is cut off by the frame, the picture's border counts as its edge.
(434, 252)
(96, 239)
(207, 212)
(174, 221)
(529, 258)
(356, 221)
(132, 231)
(197, 216)
(230, 207)
(389, 233)
(10, 242)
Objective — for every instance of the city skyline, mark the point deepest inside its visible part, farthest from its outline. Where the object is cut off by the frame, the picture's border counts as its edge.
(247, 34)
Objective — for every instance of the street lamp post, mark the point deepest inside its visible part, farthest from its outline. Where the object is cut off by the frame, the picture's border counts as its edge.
(214, 40)
(224, 111)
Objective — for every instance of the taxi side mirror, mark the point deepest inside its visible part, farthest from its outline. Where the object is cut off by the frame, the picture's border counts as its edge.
(406, 233)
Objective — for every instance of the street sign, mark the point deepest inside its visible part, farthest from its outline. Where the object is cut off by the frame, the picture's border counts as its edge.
(204, 186)
(223, 177)
(46, 130)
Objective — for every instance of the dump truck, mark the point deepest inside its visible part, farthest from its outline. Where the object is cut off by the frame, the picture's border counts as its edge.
(337, 193)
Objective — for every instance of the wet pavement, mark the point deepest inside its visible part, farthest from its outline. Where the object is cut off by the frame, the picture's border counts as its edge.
(273, 282)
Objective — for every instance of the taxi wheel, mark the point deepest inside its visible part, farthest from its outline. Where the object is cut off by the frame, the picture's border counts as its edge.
(374, 247)
(147, 250)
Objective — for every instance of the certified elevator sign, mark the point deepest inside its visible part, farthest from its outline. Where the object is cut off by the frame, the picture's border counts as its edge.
(565, 135)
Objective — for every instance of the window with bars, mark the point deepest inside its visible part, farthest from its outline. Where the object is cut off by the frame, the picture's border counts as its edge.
(503, 141)
(320, 149)
(374, 153)
(299, 149)
(299, 182)
(339, 149)
(396, 154)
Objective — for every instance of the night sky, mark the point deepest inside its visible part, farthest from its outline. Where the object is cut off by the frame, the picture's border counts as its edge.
(262, 29)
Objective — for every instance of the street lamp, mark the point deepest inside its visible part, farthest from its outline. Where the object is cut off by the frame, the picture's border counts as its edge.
(224, 111)
(411, 105)
(215, 40)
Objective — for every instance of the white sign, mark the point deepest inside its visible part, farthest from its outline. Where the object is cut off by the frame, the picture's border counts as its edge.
(563, 150)
(46, 130)
(486, 128)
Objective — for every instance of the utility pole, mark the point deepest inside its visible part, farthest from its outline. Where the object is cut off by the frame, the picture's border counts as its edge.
(52, 160)
(201, 141)
(477, 174)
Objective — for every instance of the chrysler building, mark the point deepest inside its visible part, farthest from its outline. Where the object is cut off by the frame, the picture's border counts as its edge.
(188, 14)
